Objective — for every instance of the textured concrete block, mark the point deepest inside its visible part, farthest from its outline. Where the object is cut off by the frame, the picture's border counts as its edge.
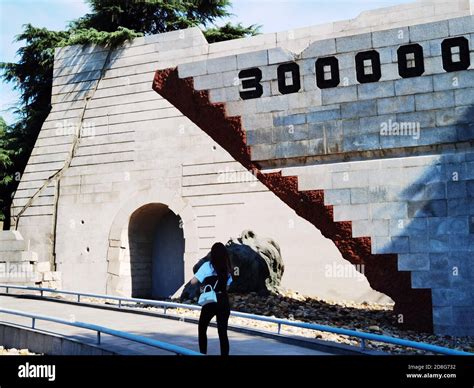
(435, 208)
(363, 142)
(466, 170)
(279, 55)
(289, 120)
(219, 65)
(290, 133)
(263, 152)
(461, 26)
(421, 32)
(434, 100)
(429, 279)
(337, 197)
(317, 147)
(389, 72)
(457, 189)
(413, 85)
(211, 81)
(292, 149)
(381, 245)
(271, 104)
(454, 80)
(375, 123)
(386, 55)
(443, 315)
(400, 244)
(469, 188)
(340, 94)
(414, 262)
(323, 129)
(360, 195)
(253, 59)
(465, 97)
(396, 105)
(376, 90)
(323, 115)
(354, 43)
(439, 262)
(350, 179)
(259, 136)
(392, 37)
(351, 128)
(435, 190)
(417, 120)
(381, 194)
(452, 297)
(447, 117)
(389, 210)
(419, 244)
(463, 316)
(376, 228)
(309, 84)
(441, 226)
(192, 69)
(320, 48)
(458, 207)
(351, 212)
(448, 134)
(359, 109)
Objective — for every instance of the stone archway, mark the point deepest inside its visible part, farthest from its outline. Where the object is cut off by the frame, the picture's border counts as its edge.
(139, 261)
(156, 247)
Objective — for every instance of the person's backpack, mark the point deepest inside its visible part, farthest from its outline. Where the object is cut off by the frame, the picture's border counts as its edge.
(208, 296)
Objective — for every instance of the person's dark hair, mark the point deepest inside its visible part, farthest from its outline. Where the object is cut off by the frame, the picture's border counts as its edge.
(220, 261)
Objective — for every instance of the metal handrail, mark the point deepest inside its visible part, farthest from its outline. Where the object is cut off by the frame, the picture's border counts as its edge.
(105, 330)
(279, 321)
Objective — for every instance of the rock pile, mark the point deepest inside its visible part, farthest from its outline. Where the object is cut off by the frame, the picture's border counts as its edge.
(14, 352)
(368, 317)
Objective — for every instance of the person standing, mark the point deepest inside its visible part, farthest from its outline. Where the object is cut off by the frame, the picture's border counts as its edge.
(217, 274)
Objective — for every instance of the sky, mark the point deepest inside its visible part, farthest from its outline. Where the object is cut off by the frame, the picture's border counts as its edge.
(273, 15)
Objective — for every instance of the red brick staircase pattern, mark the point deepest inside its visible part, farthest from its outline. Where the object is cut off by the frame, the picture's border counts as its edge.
(413, 307)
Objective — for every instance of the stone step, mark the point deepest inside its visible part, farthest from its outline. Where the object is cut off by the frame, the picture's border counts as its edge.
(11, 256)
(9, 235)
(13, 245)
(21, 281)
(18, 273)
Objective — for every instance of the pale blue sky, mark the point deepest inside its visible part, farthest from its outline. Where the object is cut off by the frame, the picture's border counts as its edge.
(273, 15)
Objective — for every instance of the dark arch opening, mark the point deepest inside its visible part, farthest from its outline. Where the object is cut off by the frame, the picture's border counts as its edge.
(156, 241)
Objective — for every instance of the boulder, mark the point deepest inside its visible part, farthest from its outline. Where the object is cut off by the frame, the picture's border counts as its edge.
(257, 266)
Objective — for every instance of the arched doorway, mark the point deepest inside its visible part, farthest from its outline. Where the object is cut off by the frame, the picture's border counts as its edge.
(156, 244)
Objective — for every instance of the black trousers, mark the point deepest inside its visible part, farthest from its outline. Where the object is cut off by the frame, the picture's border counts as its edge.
(221, 310)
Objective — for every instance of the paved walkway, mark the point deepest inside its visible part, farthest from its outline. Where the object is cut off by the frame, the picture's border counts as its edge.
(168, 330)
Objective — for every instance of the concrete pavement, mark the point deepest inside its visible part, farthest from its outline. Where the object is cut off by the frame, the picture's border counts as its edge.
(168, 330)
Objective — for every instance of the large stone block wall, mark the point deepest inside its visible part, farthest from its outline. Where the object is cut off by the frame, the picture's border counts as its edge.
(85, 178)
(410, 195)
(421, 208)
(315, 124)
(135, 148)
